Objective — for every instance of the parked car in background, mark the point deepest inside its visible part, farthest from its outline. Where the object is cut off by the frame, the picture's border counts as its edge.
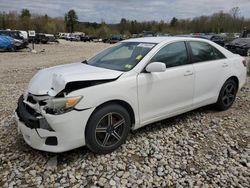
(115, 38)
(63, 35)
(43, 38)
(24, 34)
(210, 36)
(148, 33)
(88, 38)
(215, 38)
(76, 36)
(239, 46)
(6, 43)
(51, 38)
(98, 40)
(162, 35)
(245, 34)
(237, 35)
(67, 36)
(106, 40)
(137, 82)
(39, 38)
(17, 35)
(137, 35)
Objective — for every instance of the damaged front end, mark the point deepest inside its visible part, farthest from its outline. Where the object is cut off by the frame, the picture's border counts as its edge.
(239, 46)
(47, 108)
(29, 112)
(32, 109)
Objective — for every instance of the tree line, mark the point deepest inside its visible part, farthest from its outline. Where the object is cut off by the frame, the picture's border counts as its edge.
(219, 22)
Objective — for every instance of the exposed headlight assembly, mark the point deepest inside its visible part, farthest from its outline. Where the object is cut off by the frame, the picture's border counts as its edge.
(61, 105)
(17, 42)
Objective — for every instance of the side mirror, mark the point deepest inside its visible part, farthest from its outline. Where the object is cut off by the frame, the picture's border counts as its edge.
(156, 67)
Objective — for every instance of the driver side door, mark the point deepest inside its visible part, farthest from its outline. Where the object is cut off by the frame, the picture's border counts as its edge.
(163, 94)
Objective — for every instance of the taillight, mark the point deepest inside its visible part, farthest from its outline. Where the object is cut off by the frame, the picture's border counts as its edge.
(244, 63)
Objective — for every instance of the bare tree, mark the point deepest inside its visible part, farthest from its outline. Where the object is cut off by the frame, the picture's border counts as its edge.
(235, 12)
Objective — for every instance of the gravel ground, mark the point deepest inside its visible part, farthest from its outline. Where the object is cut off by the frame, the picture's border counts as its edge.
(202, 148)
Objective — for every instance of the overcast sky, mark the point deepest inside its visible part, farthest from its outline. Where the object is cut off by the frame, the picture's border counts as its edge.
(112, 11)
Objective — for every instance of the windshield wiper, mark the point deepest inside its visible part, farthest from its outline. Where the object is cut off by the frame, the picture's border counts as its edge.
(85, 62)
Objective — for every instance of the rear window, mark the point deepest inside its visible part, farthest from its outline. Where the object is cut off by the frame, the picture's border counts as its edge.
(202, 52)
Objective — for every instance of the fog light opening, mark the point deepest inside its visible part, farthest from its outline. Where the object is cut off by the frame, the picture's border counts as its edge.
(52, 141)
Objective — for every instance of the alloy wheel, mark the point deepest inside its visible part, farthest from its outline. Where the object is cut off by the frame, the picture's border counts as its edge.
(229, 94)
(109, 130)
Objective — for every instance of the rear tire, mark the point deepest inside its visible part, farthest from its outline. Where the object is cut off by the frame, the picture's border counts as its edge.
(227, 95)
(107, 129)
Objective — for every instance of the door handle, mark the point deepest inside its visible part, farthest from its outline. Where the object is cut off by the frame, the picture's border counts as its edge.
(188, 73)
(224, 65)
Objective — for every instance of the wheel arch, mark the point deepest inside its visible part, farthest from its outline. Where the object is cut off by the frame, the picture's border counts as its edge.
(122, 103)
(234, 78)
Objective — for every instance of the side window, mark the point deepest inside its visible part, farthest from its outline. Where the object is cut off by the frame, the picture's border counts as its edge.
(218, 54)
(202, 51)
(172, 55)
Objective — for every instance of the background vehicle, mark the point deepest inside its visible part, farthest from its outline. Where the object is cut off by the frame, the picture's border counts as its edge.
(17, 35)
(162, 35)
(88, 38)
(24, 34)
(51, 38)
(209, 36)
(215, 38)
(148, 33)
(245, 34)
(43, 38)
(39, 38)
(240, 46)
(6, 43)
(97, 102)
(74, 36)
(115, 38)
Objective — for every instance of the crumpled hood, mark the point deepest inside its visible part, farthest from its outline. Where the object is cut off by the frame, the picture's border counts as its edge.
(53, 80)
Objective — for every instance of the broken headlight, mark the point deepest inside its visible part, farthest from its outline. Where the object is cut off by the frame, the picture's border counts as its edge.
(61, 105)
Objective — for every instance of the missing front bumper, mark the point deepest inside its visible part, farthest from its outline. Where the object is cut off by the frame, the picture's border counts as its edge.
(30, 117)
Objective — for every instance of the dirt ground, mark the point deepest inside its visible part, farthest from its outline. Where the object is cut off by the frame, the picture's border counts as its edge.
(202, 148)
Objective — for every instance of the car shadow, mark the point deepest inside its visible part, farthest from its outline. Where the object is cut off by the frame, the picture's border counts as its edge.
(169, 122)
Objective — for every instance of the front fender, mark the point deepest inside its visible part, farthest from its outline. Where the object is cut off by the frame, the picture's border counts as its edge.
(123, 89)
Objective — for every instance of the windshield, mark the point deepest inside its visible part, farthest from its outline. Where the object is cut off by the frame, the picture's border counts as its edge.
(122, 57)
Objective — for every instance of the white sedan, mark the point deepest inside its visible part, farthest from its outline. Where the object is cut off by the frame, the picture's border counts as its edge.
(137, 82)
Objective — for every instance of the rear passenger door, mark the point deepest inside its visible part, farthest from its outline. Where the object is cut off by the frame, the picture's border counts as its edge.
(211, 67)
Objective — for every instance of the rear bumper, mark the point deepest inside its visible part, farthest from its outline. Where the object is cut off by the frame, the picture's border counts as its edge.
(52, 133)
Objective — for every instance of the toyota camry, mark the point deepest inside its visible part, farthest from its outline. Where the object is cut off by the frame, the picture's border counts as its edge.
(127, 86)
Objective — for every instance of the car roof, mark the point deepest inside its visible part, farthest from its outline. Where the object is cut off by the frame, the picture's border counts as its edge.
(158, 40)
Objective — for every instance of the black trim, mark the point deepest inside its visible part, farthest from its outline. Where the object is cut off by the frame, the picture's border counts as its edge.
(76, 85)
(30, 117)
(189, 52)
(79, 110)
(30, 120)
(51, 141)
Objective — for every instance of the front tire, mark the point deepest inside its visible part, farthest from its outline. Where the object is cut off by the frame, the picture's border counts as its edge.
(227, 95)
(107, 129)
